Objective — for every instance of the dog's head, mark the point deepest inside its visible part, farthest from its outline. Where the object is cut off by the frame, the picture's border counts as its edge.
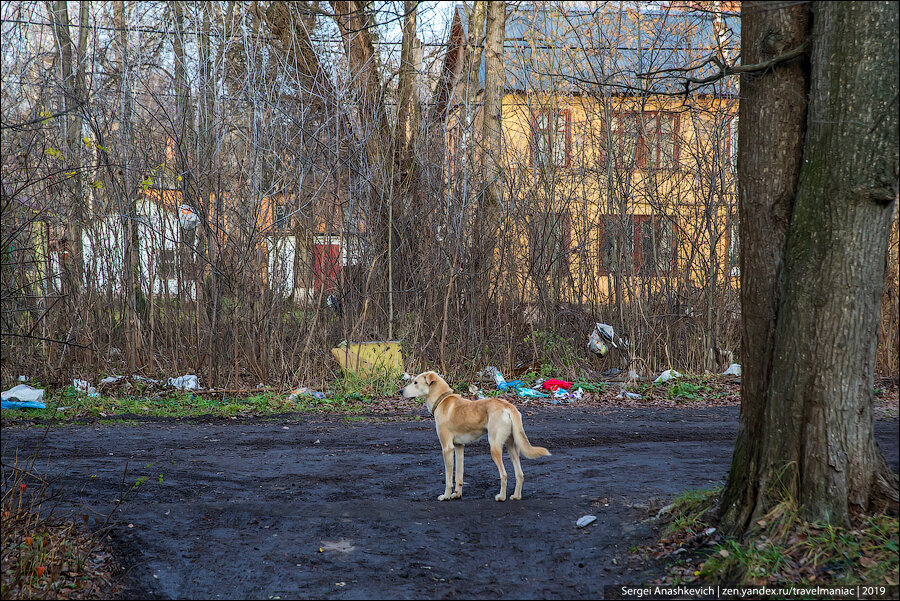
(419, 385)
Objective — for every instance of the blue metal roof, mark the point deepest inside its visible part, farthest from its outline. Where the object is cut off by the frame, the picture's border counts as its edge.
(607, 50)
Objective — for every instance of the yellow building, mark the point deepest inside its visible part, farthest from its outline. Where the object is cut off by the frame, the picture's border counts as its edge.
(620, 181)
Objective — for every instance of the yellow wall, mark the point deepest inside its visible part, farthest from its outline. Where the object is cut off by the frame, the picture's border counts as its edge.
(699, 196)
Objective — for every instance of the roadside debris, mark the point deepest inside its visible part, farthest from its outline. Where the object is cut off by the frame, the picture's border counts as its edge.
(553, 384)
(629, 395)
(531, 393)
(563, 396)
(188, 218)
(126, 381)
(185, 382)
(369, 358)
(585, 520)
(733, 370)
(85, 386)
(597, 342)
(23, 396)
(666, 376)
(502, 384)
(303, 391)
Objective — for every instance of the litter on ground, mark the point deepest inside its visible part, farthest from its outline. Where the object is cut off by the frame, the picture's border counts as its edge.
(185, 382)
(733, 370)
(23, 396)
(666, 376)
(303, 391)
(553, 384)
(586, 520)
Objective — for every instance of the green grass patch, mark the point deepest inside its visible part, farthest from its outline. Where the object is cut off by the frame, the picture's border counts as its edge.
(589, 386)
(782, 549)
(685, 391)
(357, 389)
(689, 512)
(785, 550)
(72, 406)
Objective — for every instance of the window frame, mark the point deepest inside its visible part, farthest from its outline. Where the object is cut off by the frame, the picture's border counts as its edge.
(635, 259)
(544, 133)
(654, 119)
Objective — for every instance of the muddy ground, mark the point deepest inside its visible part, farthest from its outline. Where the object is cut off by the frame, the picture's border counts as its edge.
(313, 506)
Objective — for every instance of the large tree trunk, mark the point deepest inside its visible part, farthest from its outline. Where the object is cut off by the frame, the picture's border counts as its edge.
(812, 421)
(185, 149)
(72, 76)
(772, 109)
(356, 26)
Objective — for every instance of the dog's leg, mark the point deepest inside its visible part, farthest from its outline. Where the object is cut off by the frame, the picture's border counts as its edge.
(497, 456)
(517, 465)
(448, 471)
(457, 494)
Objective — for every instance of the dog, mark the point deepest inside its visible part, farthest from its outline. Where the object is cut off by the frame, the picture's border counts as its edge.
(460, 421)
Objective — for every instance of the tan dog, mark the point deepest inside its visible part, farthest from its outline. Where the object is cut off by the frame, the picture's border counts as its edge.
(460, 421)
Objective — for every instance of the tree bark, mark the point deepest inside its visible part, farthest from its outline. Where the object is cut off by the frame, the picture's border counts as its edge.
(494, 79)
(131, 274)
(72, 75)
(773, 110)
(471, 67)
(407, 116)
(813, 422)
(356, 26)
(73, 96)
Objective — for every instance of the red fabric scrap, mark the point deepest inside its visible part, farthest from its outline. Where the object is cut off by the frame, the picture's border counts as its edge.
(553, 384)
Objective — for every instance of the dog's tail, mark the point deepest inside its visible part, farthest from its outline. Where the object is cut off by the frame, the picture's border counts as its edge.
(522, 440)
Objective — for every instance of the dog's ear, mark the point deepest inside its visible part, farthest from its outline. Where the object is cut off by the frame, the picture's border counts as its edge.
(430, 377)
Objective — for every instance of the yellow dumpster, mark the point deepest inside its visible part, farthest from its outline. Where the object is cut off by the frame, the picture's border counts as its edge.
(369, 358)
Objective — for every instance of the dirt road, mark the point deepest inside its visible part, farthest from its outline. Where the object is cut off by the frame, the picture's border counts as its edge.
(311, 506)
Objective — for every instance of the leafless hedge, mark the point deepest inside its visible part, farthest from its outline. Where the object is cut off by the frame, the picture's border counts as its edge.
(338, 198)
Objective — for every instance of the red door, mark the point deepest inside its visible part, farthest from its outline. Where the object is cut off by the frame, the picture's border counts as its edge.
(326, 266)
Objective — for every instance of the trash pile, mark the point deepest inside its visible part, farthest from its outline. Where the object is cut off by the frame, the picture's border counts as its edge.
(303, 391)
(558, 391)
(185, 382)
(603, 333)
(22, 396)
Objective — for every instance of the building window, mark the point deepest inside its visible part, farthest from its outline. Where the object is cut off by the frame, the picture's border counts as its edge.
(282, 215)
(550, 240)
(647, 140)
(551, 139)
(638, 245)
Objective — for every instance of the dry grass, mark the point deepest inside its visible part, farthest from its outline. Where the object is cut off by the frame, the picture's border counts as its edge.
(781, 550)
(44, 557)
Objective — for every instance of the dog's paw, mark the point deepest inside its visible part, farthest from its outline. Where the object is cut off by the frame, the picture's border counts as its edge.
(456, 495)
(444, 497)
(516, 498)
(499, 497)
